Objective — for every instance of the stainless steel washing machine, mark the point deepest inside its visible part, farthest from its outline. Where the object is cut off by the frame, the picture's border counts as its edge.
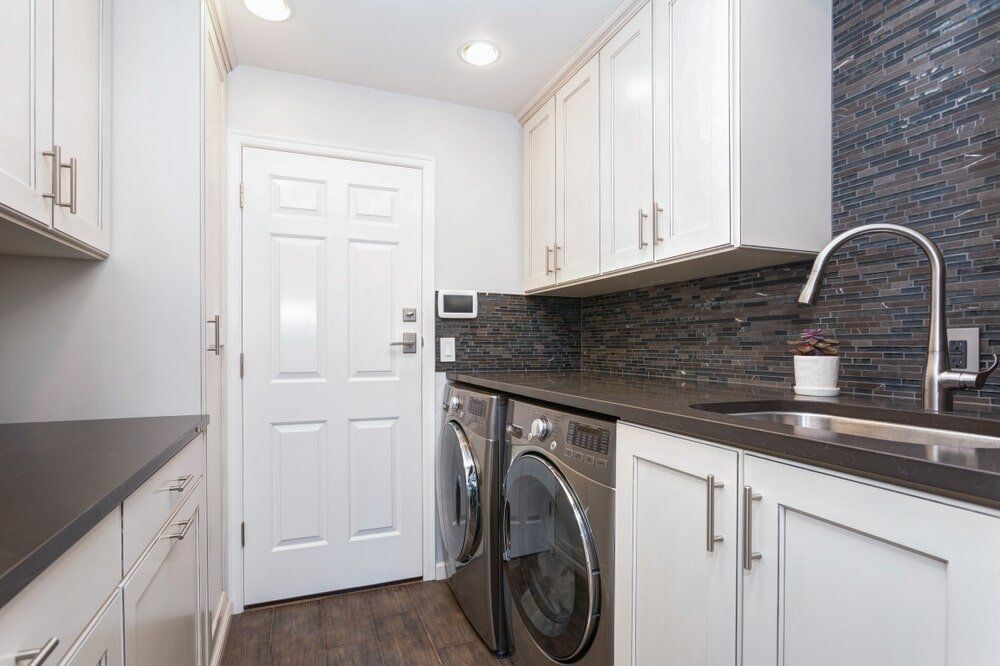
(470, 463)
(558, 535)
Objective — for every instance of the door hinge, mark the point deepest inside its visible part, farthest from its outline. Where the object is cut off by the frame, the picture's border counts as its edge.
(243, 535)
(241, 195)
(241, 365)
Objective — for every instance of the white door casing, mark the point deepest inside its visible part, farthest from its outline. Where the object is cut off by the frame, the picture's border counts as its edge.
(332, 421)
(691, 124)
(910, 581)
(578, 168)
(627, 145)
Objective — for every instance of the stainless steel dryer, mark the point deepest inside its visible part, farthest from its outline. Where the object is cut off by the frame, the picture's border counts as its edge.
(470, 464)
(558, 535)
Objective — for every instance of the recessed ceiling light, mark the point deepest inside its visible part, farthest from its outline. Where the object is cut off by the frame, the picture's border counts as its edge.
(479, 53)
(269, 10)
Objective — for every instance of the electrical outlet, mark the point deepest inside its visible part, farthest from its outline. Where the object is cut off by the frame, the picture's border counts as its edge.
(963, 349)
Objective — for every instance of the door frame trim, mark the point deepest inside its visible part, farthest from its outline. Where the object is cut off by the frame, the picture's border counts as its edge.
(236, 142)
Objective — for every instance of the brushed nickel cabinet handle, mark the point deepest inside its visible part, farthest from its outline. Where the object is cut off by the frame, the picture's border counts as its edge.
(749, 556)
(56, 155)
(71, 204)
(555, 257)
(37, 656)
(548, 253)
(185, 526)
(180, 484)
(657, 209)
(711, 538)
(215, 347)
(642, 241)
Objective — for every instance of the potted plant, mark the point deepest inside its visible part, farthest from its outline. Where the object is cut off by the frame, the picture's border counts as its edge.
(817, 362)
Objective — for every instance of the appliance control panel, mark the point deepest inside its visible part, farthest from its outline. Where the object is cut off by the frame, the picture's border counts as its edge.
(474, 410)
(581, 442)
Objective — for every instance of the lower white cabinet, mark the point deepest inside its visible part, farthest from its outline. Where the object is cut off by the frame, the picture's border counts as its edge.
(813, 568)
(854, 573)
(101, 642)
(164, 595)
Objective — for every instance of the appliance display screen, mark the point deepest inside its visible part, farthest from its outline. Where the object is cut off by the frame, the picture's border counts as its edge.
(457, 303)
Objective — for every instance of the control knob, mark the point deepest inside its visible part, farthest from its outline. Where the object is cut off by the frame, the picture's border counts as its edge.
(540, 429)
(455, 403)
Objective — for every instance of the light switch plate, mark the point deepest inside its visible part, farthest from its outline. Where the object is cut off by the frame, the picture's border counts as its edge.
(971, 337)
(447, 350)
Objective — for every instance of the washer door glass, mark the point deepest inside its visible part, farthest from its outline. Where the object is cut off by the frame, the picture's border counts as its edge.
(549, 556)
(458, 494)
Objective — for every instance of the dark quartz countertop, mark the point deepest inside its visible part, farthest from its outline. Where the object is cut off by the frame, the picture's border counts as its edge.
(59, 479)
(965, 473)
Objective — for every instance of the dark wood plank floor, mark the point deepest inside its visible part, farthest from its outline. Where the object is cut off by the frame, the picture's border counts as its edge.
(413, 624)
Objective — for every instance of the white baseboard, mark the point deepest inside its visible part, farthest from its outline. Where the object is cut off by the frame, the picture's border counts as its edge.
(220, 628)
(440, 571)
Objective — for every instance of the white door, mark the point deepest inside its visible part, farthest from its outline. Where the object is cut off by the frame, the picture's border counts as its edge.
(214, 300)
(675, 595)
(578, 172)
(691, 125)
(627, 145)
(851, 573)
(101, 643)
(331, 257)
(540, 197)
(81, 117)
(164, 594)
(26, 108)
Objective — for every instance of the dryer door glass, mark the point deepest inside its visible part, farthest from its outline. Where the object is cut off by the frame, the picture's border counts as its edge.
(458, 490)
(549, 556)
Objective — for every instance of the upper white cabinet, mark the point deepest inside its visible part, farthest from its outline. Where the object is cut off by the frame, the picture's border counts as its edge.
(578, 201)
(627, 145)
(54, 141)
(540, 197)
(715, 140)
(725, 557)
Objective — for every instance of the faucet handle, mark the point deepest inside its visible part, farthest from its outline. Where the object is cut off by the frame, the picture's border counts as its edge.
(981, 377)
(963, 379)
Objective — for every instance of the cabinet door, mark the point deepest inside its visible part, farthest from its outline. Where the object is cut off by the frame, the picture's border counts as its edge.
(578, 169)
(540, 197)
(164, 594)
(80, 119)
(692, 125)
(26, 107)
(677, 560)
(853, 573)
(627, 145)
(101, 642)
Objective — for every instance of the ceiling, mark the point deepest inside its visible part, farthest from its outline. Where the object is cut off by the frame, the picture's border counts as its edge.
(411, 46)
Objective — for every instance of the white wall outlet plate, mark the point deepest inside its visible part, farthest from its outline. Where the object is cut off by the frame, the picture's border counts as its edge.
(447, 350)
(963, 349)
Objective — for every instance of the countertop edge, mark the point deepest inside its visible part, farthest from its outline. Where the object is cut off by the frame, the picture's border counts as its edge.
(18, 577)
(879, 466)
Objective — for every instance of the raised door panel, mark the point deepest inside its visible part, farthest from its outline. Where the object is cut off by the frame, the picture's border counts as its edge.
(26, 108)
(101, 643)
(853, 573)
(676, 590)
(81, 118)
(164, 594)
(692, 85)
(627, 145)
(578, 169)
(540, 197)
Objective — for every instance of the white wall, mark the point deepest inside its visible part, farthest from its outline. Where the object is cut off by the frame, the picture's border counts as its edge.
(477, 157)
(121, 337)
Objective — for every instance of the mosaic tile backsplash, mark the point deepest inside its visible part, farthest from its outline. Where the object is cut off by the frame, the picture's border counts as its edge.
(915, 142)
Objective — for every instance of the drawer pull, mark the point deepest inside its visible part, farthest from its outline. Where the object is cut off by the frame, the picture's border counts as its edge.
(37, 656)
(185, 526)
(180, 484)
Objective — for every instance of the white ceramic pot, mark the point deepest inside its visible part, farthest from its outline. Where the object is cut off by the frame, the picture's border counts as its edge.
(816, 375)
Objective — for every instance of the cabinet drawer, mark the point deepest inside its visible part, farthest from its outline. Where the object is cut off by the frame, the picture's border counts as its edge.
(145, 510)
(62, 601)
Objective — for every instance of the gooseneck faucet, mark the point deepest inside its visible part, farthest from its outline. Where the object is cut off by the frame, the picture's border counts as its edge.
(939, 379)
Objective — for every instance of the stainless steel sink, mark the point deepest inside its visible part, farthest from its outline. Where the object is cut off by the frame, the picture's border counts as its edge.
(892, 432)
(933, 430)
